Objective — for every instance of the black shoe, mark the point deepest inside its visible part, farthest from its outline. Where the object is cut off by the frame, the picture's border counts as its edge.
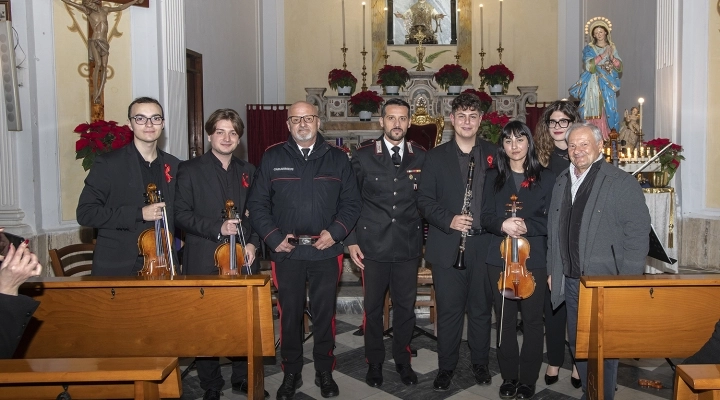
(407, 375)
(374, 376)
(360, 331)
(211, 395)
(290, 383)
(525, 391)
(482, 374)
(576, 382)
(442, 380)
(326, 383)
(242, 388)
(508, 389)
(550, 379)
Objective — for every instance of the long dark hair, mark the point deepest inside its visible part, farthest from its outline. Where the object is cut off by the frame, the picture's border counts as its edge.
(531, 165)
(543, 139)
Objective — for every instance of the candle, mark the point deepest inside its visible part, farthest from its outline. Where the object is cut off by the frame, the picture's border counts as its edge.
(482, 43)
(363, 4)
(641, 101)
(500, 40)
(343, 22)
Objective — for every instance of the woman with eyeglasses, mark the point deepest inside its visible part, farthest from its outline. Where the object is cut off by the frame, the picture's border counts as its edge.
(552, 151)
(518, 172)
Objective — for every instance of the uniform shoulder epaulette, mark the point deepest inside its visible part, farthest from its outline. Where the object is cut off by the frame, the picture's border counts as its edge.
(273, 145)
(366, 143)
(414, 143)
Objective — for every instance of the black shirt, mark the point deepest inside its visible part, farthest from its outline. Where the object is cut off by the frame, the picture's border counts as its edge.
(559, 160)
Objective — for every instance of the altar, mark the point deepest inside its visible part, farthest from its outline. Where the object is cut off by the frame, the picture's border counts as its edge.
(421, 91)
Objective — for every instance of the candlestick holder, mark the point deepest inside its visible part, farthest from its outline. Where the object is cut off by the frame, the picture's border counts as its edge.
(482, 66)
(420, 50)
(500, 50)
(457, 58)
(386, 56)
(364, 74)
(640, 139)
(344, 51)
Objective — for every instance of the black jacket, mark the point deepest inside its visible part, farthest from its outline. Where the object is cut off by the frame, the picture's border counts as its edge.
(199, 204)
(535, 205)
(15, 313)
(291, 195)
(390, 226)
(440, 198)
(111, 201)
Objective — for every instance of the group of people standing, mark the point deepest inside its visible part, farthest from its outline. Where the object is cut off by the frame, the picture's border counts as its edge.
(306, 200)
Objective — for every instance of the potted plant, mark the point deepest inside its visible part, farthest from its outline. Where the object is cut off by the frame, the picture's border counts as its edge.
(100, 137)
(451, 77)
(343, 81)
(485, 99)
(392, 78)
(491, 126)
(365, 104)
(497, 77)
(669, 160)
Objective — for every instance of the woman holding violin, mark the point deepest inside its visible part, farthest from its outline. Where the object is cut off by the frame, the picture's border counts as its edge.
(516, 196)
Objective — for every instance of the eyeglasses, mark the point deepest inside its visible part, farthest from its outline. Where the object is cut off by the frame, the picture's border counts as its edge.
(142, 120)
(309, 119)
(563, 123)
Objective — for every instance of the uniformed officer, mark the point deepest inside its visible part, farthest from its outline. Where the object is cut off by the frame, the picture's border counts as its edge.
(387, 240)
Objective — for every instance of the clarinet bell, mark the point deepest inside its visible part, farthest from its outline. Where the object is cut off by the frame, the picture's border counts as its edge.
(460, 261)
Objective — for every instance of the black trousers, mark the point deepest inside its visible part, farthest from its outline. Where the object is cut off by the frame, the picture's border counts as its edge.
(458, 292)
(555, 329)
(523, 365)
(290, 278)
(401, 279)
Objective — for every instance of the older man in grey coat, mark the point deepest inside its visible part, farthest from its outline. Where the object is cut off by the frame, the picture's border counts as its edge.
(598, 224)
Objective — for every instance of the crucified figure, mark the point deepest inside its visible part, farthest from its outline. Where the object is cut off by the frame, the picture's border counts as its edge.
(98, 45)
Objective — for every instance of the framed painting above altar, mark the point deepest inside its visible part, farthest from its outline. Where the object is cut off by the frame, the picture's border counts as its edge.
(436, 19)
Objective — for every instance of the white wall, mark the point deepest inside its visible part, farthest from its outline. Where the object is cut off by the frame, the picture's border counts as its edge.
(226, 33)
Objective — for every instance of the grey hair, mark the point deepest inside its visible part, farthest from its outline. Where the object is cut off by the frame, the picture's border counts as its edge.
(595, 130)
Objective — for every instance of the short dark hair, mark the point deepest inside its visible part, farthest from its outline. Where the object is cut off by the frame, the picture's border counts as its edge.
(467, 101)
(394, 102)
(145, 100)
(225, 114)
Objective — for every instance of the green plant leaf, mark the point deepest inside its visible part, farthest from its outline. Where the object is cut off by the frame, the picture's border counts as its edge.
(408, 56)
(433, 56)
(88, 162)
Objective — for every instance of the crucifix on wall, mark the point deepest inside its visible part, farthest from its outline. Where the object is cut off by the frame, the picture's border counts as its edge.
(98, 47)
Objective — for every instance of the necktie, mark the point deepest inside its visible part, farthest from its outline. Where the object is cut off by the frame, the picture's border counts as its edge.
(305, 151)
(396, 156)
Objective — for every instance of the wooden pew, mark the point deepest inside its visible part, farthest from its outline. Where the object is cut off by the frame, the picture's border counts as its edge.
(651, 316)
(188, 316)
(148, 378)
(697, 382)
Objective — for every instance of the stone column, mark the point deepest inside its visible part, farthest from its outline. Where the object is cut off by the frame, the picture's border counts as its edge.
(11, 216)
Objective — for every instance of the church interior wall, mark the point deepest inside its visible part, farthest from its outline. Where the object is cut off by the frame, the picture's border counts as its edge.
(227, 36)
(713, 115)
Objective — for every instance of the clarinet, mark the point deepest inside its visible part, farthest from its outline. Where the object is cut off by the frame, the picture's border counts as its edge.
(460, 261)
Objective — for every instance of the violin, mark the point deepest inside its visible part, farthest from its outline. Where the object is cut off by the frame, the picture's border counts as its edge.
(230, 254)
(155, 243)
(516, 282)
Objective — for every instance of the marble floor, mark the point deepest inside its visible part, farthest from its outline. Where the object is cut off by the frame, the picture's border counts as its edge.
(351, 368)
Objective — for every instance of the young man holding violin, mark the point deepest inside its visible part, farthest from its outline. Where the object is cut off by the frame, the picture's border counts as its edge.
(204, 184)
(113, 198)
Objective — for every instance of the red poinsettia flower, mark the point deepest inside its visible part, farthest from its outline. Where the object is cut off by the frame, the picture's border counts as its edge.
(168, 178)
(527, 182)
(245, 180)
(670, 159)
(490, 161)
(99, 137)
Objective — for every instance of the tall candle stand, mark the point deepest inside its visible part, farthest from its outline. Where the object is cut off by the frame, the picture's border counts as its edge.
(364, 73)
(344, 51)
(457, 58)
(386, 56)
(500, 50)
(482, 66)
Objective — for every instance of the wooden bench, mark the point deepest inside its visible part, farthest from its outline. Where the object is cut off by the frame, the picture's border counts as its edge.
(697, 382)
(147, 378)
(650, 316)
(188, 316)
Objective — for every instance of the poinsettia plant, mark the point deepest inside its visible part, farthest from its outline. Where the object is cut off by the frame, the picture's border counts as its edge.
(670, 159)
(491, 126)
(485, 99)
(367, 100)
(342, 77)
(497, 74)
(100, 137)
(393, 75)
(451, 75)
